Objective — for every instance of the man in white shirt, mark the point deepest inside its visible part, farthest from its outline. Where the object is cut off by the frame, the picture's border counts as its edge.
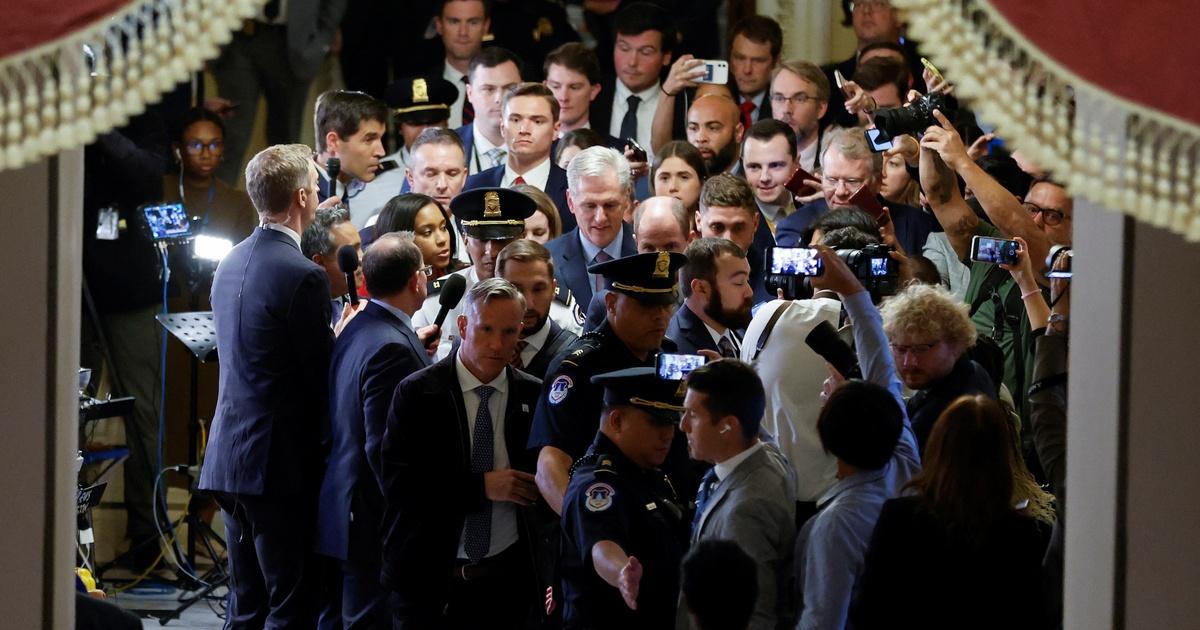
(799, 97)
(645, 36)
(491, 219)
(350, 127)
(462, 25)
(491, 73)
(529, 126)
(573, 75)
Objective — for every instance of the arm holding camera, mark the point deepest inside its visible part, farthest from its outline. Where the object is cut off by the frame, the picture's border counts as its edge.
(1001, 206)
(682, 76)
(1026, 279)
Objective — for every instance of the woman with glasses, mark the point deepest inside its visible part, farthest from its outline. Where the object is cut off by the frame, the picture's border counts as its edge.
(430, 224)
(214, 207)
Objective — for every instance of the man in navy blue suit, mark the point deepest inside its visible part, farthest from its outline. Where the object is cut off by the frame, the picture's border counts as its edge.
(350, 127)
(491, 73)
(375, 351)
(728, 210)
(529, 125)
(457, 478)
(271, 311)
(715, 283)
(850, 165)
(598, 193)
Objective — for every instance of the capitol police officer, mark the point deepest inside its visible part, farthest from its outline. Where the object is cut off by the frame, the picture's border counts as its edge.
(417, 103)
(638, 308)
(624, 528)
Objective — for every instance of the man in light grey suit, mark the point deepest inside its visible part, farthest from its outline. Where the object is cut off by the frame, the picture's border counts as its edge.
(748, 496)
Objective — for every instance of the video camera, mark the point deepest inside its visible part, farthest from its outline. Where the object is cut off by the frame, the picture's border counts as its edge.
(788, 267)
(1056, 252)
(912, 119)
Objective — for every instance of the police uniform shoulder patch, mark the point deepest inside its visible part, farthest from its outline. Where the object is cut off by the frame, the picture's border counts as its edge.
(559, 389)
(599, 497)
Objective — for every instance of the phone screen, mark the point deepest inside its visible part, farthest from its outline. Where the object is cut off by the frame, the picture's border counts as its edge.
(994, 250)
(795, 261)
(878, 144)
(167, 221)
(674, 367)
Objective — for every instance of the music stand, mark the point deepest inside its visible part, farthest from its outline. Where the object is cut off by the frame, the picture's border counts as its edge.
(197, 332)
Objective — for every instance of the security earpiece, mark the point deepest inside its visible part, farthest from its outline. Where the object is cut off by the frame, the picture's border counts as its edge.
(177, 156)
(724, 429)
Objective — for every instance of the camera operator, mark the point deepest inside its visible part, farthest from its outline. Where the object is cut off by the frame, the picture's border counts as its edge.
(863, 425)
(930, 334)
(1043, 220)
(850, 165)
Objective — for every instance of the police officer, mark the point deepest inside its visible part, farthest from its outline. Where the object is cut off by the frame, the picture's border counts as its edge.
(624, 528)
(416, 103)
(491, 218)
(639, 308)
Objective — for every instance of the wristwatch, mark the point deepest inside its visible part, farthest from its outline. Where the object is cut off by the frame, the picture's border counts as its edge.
(1057, 324)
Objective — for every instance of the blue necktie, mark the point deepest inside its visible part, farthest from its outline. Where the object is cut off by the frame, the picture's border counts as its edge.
(478, 536)
(707, 484)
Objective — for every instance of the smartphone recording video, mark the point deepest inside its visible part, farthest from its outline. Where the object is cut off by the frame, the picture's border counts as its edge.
(996, 251)
(796, 261)
(674, 367)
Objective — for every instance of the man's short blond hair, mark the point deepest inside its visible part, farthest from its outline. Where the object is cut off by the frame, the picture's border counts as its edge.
(274, 175)
(928, 313)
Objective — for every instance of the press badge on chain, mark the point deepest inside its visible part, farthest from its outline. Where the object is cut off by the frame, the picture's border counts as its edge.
(108, 224)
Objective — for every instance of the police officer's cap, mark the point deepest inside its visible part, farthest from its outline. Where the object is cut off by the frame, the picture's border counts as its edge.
(492, 214)
(646, 277)
(641, 387)
(423, 100)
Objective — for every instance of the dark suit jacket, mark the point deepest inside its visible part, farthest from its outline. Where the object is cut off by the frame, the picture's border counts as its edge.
(372, 355)
(428, 485)
(600, 113)
(310, 28)
(688, 332)
(556, 189)
(556, 340)
(466, 133)
(913, 225)
(271, 311)
(571, 261)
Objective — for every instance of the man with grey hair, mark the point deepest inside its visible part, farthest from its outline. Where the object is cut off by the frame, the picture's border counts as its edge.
(375, 351)
(271, 312)
(456, 551)
(851, 166)
(320, 242)
(598, 193)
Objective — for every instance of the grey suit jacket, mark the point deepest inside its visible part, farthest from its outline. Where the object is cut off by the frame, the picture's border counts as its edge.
(755, 506)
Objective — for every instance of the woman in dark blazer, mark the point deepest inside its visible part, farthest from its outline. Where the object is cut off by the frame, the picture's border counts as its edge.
(957, 553)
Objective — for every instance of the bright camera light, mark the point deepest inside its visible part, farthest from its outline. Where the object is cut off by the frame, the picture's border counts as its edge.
(211, 247)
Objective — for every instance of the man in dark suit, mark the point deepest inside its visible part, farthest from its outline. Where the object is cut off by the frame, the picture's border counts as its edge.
(754, 50)
(598, 187)
(850, 165)
(491, 73)
(271, 312)
(456, 545)
(529, 266)
(375, 351)
(717, 298)
(461, 26)
(350, 127)
(573, 75)
(529, 125)
(728, 210)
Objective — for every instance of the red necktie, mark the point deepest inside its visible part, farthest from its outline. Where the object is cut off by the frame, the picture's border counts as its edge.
(747, 109)
(517, 362)
(518, 180)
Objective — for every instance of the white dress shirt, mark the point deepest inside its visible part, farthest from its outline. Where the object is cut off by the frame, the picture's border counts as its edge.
(716, 336)
(279, 227)
(536, 176)
(451, 74)
(534, 343)
(645, 113)
(726, 468)
(504, 514)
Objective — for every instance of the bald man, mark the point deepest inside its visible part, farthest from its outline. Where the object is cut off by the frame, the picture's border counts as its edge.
(661, 224)
(714, 127)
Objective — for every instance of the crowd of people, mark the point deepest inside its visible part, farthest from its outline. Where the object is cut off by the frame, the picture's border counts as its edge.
(471, 427)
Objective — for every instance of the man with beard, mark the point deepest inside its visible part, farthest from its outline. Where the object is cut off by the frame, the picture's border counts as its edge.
(715, 129)
(715, 283)
(528, 265)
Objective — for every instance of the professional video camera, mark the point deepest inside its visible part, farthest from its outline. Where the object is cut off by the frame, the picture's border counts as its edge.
(914, 118)
(788, 267)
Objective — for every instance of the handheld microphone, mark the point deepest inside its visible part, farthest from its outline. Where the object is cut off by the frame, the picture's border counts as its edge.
(347, 260)
(824, 340)
(451, 295)
(333, 166)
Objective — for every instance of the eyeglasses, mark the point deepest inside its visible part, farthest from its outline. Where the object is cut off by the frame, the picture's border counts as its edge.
(195, 147)
(799, 98)
(870, 5)
(916, 349)
(427, 270)
(1050, 216)
(852, 183)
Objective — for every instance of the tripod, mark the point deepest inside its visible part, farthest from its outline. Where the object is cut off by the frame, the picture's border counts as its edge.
(195, 330)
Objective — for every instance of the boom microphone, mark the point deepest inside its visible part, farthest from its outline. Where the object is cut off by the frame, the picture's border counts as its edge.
(333, 166)
(347, 260)
(451, 295)
(824, 340)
